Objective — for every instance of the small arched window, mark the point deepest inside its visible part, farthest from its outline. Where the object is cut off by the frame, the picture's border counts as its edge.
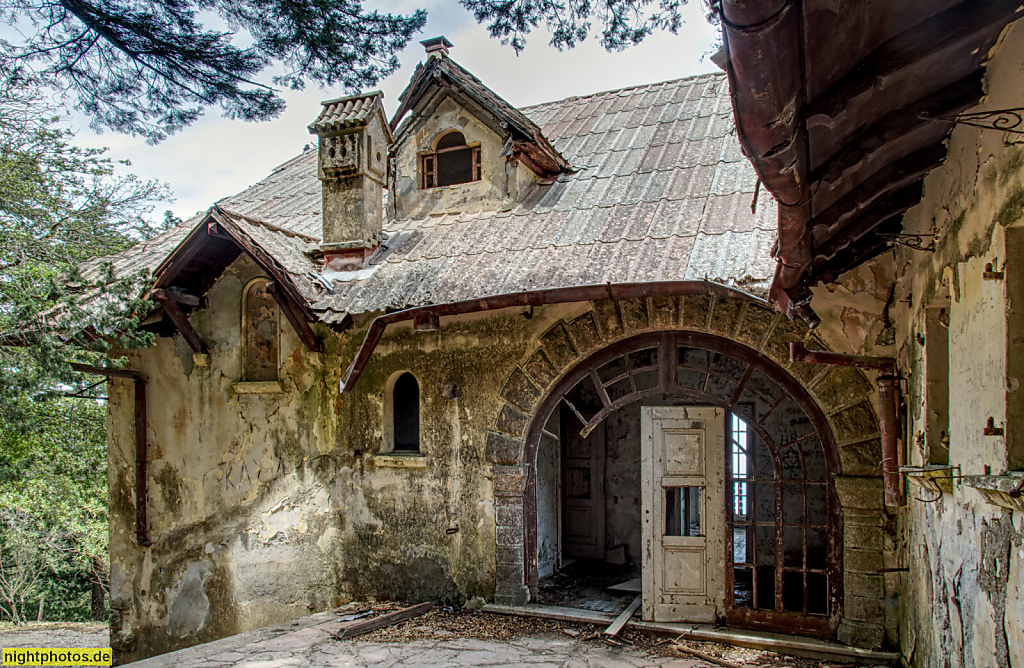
(405, 407)
(260, 333)
(452, 162)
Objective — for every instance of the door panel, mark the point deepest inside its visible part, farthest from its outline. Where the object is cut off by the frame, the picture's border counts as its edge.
(683, 458)
(583, 482)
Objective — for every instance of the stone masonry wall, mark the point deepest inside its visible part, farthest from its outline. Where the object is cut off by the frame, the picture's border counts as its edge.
(844, 394)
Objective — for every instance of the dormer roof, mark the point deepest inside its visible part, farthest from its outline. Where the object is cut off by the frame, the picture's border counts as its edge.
(442, 77)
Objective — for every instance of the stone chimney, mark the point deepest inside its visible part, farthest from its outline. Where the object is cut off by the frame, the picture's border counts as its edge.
(437, 47)
(353, 141)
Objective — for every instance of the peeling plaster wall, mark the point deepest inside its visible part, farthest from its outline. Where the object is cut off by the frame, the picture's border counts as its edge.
(269, 506)
(959, 600)
(266, 507)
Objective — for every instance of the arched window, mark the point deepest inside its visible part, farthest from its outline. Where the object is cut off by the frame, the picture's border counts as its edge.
(452, 161)
(260, 333)
(405, 407)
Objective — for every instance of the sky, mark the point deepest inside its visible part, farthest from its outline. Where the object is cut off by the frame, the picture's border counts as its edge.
(216, 157)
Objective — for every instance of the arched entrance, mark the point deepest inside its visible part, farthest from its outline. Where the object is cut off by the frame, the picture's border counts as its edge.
(776, 511)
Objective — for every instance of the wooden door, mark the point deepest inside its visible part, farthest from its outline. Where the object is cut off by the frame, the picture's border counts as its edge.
(583, 485)
(683, 498)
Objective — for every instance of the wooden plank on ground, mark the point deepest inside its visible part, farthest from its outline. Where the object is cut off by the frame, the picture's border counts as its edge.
(630, 586)
(704, 657)
(620, 621)
(361, 626)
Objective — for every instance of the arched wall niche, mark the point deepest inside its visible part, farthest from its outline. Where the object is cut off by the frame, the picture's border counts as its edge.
(837, 400)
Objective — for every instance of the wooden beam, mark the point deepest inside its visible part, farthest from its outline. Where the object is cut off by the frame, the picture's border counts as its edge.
(963, 23)
(173, 295)
(947, 102)
(852, 256)
(169, 270)
(297, 319)
(100, 371)
(262, 258)
(359, 627)
(882, 210)
(894, 176)
(173, 312)
(620, 621)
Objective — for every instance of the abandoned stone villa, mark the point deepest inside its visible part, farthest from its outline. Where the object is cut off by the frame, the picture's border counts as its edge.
(751, 337)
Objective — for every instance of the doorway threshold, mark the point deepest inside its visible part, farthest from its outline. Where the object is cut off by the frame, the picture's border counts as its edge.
(806, 648)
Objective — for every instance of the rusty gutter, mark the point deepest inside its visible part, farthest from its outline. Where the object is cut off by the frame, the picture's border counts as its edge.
(141, 445)
(888, 415)
(578, 293)
(766, 70)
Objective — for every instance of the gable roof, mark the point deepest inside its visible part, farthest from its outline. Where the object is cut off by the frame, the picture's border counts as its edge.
(662, 192)
(442, 77)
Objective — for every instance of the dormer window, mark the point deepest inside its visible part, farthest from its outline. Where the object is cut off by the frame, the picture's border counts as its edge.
(453, 161)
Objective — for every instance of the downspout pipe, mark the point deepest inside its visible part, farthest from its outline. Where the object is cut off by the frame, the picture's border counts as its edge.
(141, 445)
(888, 415)
(579, 293)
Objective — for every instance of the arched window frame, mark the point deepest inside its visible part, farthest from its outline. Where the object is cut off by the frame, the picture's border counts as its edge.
(247, 366)
(429, 172)
(392, 411)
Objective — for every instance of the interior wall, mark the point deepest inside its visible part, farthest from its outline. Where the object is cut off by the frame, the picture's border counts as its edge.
(549, 502)
(622, 485)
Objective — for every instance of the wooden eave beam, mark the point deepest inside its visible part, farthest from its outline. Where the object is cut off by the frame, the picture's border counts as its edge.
(947, 102)
(181, 322)
(894, 176)
(853, 256)
(261, 258)
(297, 320)
(881, 211)
(185, 299)
(179, 259)
(964, 23)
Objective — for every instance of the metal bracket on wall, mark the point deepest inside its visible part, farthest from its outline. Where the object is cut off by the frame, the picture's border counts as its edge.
(921, 242)
(1005, 120)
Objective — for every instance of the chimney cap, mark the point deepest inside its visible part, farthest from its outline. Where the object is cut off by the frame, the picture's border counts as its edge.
(438, 45)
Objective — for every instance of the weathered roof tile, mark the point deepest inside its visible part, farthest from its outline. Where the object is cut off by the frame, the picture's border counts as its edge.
(661, 191)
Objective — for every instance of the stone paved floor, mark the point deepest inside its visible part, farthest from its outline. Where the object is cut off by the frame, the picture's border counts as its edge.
(314, 645)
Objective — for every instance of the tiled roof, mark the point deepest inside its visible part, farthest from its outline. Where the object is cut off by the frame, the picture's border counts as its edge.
(346, 112)
(661, 192)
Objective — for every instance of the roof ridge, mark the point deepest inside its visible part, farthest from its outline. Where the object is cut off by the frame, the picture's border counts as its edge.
(270, 226)
(619, 90)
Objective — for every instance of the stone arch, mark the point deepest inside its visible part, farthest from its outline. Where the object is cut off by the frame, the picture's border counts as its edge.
(842, 394)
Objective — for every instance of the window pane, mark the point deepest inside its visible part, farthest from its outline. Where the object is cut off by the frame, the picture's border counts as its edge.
(455, 167)
(406, 406)
(682, 511)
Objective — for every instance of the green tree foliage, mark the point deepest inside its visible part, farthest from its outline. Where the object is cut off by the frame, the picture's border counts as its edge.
(151, 67)
(623, 23)
(59, 206)
(53, 510)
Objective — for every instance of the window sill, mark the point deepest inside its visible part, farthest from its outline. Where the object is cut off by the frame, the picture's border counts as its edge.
(412, 460)
(259, 387)
(996, 488)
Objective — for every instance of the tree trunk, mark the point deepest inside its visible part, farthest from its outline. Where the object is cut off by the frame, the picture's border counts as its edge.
(98, 575)
(39, 614)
